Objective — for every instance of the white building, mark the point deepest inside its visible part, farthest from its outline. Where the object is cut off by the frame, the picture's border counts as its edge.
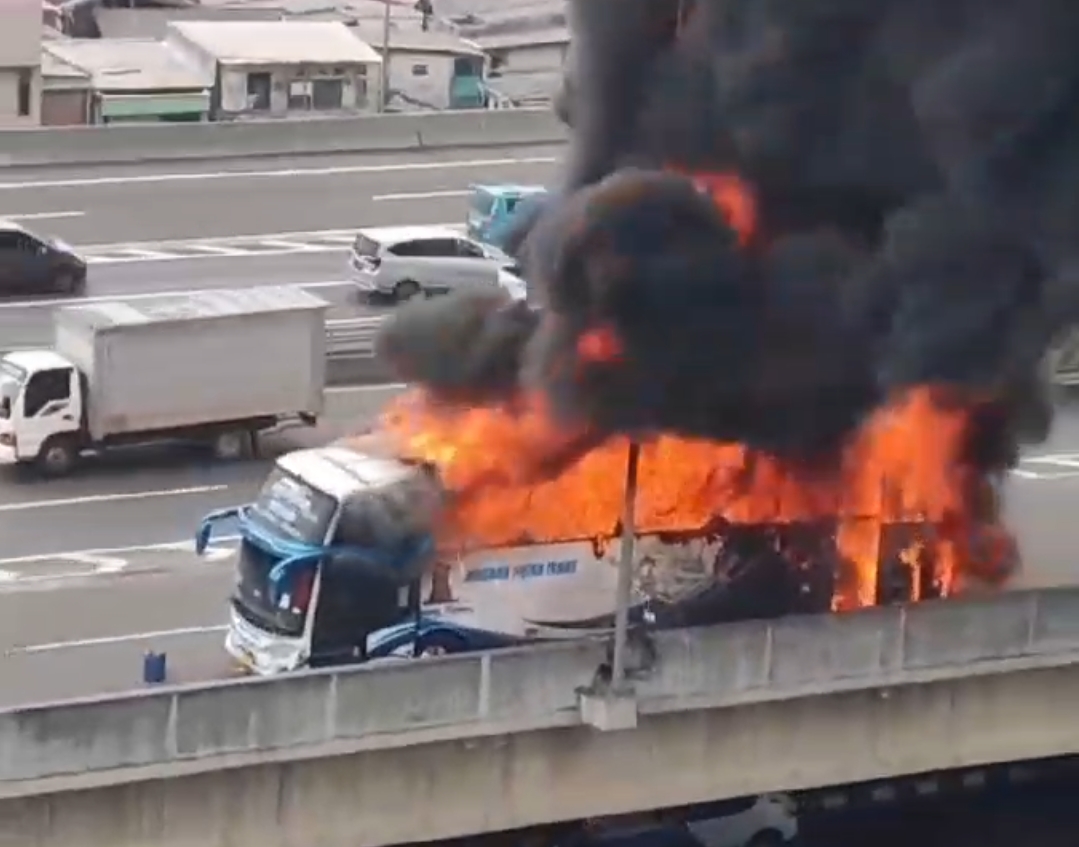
(20, 63)
(137, 79)
(265, 69)
(428, 70)
(66, 92)
(525, 68)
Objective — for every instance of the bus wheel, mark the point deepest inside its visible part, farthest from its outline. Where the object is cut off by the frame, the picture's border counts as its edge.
(440, 644)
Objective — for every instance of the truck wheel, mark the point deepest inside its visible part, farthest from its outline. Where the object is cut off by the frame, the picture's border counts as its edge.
(57, 456)
(69, 284)
(232, 445)
(405, 291)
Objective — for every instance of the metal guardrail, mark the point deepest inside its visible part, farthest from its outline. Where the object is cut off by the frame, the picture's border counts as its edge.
(404, 132)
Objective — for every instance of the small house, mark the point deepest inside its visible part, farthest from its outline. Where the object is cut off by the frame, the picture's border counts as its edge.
(66, 92)
(270, 69)
(428, 70)
(137, 79)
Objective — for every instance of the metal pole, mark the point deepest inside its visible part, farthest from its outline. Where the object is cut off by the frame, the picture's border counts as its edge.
(625, 568)
(384, 71)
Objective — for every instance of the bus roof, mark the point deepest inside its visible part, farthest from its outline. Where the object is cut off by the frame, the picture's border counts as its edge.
(342, 472)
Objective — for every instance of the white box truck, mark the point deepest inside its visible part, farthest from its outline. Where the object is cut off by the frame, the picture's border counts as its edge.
(216, 367)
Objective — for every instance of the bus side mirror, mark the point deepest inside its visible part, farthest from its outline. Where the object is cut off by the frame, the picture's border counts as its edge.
(202, 537)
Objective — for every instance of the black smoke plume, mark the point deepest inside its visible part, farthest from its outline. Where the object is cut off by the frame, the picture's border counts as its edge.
(915, 167)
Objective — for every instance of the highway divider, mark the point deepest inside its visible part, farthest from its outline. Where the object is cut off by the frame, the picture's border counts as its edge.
(170, 732)
(405, 132)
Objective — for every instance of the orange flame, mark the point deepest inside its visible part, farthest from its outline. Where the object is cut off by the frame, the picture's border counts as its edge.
(903, 467)
(733, 197)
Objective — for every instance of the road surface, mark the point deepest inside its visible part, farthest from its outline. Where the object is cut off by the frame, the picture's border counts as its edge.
(151, 229)
(99, 568)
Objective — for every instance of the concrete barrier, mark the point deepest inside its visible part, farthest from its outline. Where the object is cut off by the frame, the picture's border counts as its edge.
(246, 139)
(186, 730)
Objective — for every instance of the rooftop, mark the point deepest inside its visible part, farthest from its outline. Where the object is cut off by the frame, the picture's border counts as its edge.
(418, 41)
(347, 11)
(154, 23)
(486, 8)
(527, 38)
(53, 67)
(286, 42)
(200, 305)
(130, 64)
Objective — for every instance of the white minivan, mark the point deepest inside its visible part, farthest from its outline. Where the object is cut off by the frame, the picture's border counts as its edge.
(402, 262)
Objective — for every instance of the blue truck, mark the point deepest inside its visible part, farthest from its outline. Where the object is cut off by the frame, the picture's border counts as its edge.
(493, 209)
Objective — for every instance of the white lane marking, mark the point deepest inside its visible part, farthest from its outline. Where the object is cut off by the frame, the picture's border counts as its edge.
(107, 640)
(225, 247)
(283, 173)
(109, 498)
(419, 195)
(294, 247)
(236, 253)
(211, 249)
(186, 546)
(43, 216)
(229, 239)
(150, 295)
(18, 572)
(146, 255)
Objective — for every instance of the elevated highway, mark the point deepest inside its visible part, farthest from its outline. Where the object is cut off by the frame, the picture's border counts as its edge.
(418, 751)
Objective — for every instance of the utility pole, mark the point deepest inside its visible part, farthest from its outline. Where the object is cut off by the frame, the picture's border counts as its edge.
(610, 702)
(384, 70)
(625, 569)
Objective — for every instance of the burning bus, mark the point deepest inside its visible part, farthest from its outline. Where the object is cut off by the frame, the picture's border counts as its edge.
(339, 562)
(354, 552)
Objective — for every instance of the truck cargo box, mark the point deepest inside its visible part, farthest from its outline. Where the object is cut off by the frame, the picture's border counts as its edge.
(200, 358)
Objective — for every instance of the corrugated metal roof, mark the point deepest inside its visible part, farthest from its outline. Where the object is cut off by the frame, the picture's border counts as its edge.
(131, 64)
(200, 304)
(528, 38)
(417, 41)
(154, 23)
(53, 67)
(286, 42)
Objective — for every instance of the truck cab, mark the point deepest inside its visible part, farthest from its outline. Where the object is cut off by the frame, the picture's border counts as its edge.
(493, 208)
(42, 402)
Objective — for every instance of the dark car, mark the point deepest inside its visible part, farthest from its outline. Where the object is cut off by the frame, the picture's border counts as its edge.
(30, 264)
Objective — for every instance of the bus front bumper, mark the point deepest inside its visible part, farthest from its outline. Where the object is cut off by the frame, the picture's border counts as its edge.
(263, 653)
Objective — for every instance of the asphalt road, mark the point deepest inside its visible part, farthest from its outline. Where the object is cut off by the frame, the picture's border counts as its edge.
(98, 569)
(122, 203)
(172, 228)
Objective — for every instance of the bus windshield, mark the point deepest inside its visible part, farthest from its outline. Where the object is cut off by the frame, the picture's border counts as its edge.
(288, 506)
